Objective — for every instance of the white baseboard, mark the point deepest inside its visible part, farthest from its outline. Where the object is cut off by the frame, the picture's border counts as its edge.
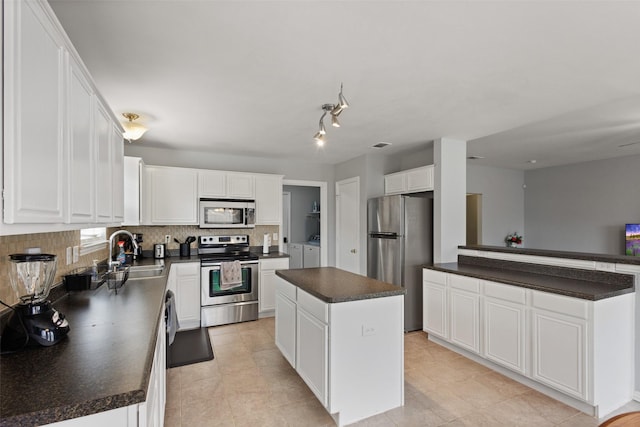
(636, 396)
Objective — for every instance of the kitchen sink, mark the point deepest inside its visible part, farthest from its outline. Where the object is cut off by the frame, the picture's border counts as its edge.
(144, 271)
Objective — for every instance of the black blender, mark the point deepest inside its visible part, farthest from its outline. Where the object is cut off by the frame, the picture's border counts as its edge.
(34, 320)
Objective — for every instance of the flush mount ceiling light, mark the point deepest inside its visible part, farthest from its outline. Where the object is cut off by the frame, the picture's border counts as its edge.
(334, 110)
(132, 130)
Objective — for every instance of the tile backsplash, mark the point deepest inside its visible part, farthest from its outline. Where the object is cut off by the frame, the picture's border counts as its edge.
(57, 243)
(155, 234)
(49, 243)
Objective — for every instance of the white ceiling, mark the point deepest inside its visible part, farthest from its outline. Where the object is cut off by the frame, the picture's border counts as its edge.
(558, 82)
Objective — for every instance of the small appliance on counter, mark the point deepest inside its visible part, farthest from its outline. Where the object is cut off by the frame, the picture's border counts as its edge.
(159, 250)
(34, 320)
(137, 251)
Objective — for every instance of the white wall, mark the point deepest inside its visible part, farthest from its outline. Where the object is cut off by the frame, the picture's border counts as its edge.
(582, 207)
(502, 202)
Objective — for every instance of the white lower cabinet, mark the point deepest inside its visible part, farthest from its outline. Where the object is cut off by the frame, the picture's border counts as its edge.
(560, 349)
(267, 283)
(504, 334)
(312, 344)
(505, 325)
(581, 348)
(465, 312)
(286, 320)
(184, 281)
(435, 308)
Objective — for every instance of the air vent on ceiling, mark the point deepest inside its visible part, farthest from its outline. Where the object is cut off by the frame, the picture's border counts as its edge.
(381, 145)
(629, 144)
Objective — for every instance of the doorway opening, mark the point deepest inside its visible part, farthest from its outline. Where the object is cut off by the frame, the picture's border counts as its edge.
(474, 219)
(305, 223)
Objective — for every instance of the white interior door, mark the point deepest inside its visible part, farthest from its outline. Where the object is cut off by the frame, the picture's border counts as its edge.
(286, 220)
(348, 224)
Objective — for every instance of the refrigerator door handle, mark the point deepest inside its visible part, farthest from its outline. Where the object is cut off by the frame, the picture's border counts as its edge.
(383, 235)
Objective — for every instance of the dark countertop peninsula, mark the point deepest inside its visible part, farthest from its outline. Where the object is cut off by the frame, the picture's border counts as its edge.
(104, 363)
(333, 285)
(580, 283)
(620, 259)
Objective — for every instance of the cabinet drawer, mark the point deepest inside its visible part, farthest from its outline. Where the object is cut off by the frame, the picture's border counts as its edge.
(464, 283)
(285, 288)
(505, 292)
(313, 306)
(434, 276)
(560, 304)
(274, 264)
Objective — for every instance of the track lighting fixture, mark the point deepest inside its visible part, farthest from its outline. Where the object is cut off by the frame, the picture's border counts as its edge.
(334, 110)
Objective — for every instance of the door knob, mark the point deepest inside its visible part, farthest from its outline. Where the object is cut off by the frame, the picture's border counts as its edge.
(353, 251)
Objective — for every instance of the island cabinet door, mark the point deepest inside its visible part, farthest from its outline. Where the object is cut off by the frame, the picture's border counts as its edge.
(286, 327)
(312, 351)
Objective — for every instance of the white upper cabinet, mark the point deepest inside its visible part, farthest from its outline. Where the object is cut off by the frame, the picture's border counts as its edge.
(212, 184)
(117, 171)
(34, 150)
(221, 184)
(82, 153)
(103, 163)
(171, 195)
(240, 185)
(133, 183)
(409, 181)
(60, 144)
(268, 199)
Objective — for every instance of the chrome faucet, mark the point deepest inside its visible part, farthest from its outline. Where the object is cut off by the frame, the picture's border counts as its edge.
(115, 233)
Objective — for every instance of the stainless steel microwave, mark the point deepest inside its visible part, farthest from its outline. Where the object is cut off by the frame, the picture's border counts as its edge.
(225, 213)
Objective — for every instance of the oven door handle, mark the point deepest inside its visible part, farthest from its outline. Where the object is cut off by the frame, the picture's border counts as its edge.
(219, 264)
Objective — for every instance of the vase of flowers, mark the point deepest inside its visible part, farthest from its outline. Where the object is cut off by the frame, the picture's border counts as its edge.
(513, 239)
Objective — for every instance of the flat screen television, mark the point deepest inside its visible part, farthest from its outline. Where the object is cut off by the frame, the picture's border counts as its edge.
(632, 239)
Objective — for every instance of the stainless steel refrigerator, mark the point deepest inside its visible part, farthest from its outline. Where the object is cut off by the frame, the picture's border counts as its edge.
(400, 241)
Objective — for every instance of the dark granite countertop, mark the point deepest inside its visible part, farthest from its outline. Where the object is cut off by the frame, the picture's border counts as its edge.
(104, 363)
(333, 285)
(603, 285)
(620, 259)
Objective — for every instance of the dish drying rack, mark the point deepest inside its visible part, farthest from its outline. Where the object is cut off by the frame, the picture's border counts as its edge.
(115, 279)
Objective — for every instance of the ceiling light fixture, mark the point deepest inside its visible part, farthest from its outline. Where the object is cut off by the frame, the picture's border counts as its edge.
(132, 130)
(334, 110)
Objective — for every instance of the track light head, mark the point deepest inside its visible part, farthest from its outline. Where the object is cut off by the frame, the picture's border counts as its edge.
(342, 101)
(335, 111)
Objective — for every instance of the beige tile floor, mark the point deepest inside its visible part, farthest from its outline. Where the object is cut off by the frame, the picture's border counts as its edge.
(249, 383)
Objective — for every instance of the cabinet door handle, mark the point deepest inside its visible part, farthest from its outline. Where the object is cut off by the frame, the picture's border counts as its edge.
(353, 251)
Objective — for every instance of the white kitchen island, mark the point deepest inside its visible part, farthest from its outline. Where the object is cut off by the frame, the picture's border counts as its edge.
(343, 333)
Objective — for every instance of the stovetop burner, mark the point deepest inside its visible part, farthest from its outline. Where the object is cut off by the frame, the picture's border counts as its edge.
(225, 248)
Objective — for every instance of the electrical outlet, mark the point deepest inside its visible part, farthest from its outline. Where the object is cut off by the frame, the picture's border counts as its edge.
(69, 255)
(167, 238)
(76, 254)
(275, 237)
(368, 330)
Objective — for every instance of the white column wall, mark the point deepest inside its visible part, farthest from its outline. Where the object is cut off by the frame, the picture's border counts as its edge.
(450, 203)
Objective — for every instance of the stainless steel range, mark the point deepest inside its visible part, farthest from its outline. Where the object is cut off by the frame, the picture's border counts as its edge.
(229, 288)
